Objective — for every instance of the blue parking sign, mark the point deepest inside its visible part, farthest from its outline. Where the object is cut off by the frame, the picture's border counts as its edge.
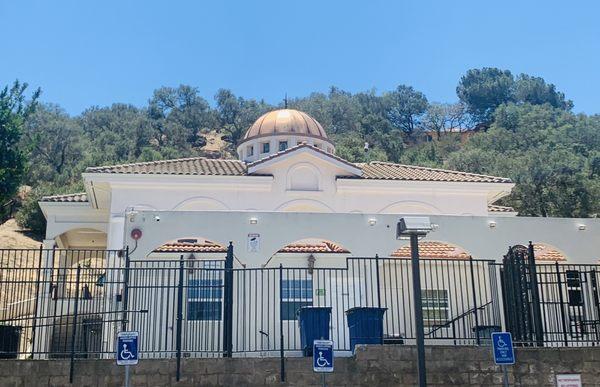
(323, 356)
(504, 352)
(127, 348)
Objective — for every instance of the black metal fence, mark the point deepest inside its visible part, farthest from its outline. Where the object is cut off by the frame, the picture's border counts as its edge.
(71, 303)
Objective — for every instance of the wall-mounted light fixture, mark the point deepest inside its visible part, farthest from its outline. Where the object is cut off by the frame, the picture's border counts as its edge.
(311, 263)
(253, 221)
(491, 224)
(372, 222)
(581, 227)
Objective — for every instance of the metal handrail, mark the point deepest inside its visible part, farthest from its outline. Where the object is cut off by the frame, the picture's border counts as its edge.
(460, 316)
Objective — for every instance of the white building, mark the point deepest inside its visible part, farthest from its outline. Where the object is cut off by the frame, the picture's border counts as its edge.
(289, 200)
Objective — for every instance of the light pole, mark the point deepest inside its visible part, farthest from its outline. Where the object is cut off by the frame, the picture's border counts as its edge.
(414, 228)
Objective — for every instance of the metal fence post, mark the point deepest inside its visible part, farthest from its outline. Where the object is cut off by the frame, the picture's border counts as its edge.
(179, 316)
(418, 305)
(473, 290)
(535, 297)
(37, 300)
(228, 304)
(74, 330)
(562, 305)
(377, 279)
(281, 352)
(125, 302)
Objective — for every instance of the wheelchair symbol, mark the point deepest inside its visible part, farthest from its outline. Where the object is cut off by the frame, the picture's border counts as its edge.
(125, 354)
(321, 361)
(501, 343)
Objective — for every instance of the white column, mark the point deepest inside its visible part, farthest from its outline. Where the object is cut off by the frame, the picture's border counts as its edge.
(43, 319)
(113, 280)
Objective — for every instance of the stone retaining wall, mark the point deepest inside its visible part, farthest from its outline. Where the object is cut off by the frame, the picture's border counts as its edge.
(371, 366)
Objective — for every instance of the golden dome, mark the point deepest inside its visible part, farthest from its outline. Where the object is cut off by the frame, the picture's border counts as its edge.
(285, 122)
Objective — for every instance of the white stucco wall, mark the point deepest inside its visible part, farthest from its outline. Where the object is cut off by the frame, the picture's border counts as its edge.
(354, 232)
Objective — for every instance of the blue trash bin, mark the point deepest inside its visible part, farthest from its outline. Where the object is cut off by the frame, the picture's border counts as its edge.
(314, 325)
(365, 325)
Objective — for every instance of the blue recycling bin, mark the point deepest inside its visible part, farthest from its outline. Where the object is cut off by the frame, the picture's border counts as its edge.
(314, 325)
(365, 325)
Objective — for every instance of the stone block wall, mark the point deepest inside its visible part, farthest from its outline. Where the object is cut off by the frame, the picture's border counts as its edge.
(388, 365)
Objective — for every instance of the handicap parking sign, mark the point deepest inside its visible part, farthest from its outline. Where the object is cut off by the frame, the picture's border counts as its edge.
(127, 348)
(504, 352)
(323, 356)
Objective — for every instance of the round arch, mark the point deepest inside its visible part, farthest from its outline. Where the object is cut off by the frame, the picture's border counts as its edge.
(410, 207)
(303, 177)
(304, 205)
(202, 203)
(82, 238)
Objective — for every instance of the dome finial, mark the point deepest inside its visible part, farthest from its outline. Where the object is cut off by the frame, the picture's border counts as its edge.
(285, 101)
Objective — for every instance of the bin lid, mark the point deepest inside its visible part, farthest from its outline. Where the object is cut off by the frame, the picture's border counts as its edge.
(365, 309)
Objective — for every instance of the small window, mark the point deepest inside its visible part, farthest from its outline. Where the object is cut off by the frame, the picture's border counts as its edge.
(266, 147)
(435, 307)
(283, 145)
(205, 293)
(295, 295)
(250, 150)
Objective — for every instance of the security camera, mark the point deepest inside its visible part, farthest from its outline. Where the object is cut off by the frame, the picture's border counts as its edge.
(157, 218)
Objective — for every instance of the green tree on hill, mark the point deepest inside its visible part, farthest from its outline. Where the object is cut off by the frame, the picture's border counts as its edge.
(14, 109)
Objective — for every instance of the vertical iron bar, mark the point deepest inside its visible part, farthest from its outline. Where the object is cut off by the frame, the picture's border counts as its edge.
(37, 297)
(282, 360)
(74, 330)
(473, 290)
(377, 279)
(535, 297)
(420, 334)
(179, 316)
(125, 300)
(562, 305)
(228, 304)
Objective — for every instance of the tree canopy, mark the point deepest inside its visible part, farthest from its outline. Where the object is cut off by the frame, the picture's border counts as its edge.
(519, 127)
(14, 109)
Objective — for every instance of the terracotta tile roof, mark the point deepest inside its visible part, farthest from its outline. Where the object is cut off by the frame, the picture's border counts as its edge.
(375, 170)
(211, 247)
(430, 249)
(69, 198)
(191, 247)
(544, 252)
(495, 208)
(188, 166)
(319, 247)
(300, 146)
(390, 171)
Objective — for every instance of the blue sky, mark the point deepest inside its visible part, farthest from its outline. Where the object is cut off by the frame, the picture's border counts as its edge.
(84, 53)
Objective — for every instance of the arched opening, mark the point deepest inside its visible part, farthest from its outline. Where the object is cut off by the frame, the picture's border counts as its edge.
(82, 239)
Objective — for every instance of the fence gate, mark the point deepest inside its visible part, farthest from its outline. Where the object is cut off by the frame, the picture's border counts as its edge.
(521, 296)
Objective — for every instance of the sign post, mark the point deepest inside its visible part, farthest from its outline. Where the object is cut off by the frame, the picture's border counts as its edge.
(323, 357)
(127, 351)
(504, 352)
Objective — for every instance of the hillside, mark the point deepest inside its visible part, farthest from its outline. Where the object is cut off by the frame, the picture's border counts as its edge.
(13, 237)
